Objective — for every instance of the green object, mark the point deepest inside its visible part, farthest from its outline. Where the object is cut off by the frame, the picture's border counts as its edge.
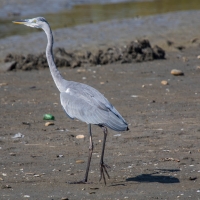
(48, 117)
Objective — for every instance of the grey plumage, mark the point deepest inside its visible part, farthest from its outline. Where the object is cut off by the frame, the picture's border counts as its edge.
(80, 100)
(88, 105)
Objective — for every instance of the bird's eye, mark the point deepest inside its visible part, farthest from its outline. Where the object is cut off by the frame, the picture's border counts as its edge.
(34, 21)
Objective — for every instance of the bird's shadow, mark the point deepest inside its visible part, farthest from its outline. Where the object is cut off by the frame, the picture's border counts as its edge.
(154, 177)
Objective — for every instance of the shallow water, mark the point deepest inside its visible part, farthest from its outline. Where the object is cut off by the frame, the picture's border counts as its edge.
(93, 13)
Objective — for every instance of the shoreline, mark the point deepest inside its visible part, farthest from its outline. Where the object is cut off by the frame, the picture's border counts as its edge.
(181, 28)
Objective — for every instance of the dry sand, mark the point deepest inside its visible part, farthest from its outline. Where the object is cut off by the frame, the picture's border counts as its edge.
(157, 159)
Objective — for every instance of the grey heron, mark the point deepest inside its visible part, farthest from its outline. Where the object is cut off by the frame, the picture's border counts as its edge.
(81, 101)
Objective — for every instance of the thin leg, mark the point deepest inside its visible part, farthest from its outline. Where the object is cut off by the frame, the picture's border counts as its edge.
(103, 166)
(89, 159)
(90, 154)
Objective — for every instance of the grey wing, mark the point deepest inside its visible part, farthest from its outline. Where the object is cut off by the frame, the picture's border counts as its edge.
(92, 109)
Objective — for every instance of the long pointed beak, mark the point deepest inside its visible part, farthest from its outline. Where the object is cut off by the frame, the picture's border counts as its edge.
(20, 22)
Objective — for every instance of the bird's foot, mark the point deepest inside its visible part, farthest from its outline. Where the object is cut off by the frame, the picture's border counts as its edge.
(103, 171)
(80, 182)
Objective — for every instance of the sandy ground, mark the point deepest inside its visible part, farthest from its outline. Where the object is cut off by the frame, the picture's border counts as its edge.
(157, 159)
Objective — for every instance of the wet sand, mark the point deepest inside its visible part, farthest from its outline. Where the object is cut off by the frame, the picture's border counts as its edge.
(157, 159)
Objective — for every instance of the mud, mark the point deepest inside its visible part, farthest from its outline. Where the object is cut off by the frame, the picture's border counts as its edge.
(137, 51)
(158, 158)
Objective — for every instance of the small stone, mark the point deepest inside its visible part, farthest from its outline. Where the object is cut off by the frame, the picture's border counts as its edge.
(80, 136)
(27, 196)
(102, 83)
(177, 72)
(164, 82)
(1, 179)
(198, 57)
(80, 161)
(49, 123)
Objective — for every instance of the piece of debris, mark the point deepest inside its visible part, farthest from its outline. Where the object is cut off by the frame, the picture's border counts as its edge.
(18, 135)
(171, 159)
(48, 117)
(80, 161)
(177, 72)
(117, 135)
(49, 124)
(80, 136)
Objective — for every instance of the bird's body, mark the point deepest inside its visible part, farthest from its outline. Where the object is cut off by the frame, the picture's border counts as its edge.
(89, 105)
(79, 100)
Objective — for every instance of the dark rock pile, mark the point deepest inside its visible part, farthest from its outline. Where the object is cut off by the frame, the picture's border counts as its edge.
(136, 51)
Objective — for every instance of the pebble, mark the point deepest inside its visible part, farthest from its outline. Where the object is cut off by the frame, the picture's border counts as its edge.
(1, 179)
(26, 196)
(198, 57)
(49, 123)
(3, 84)
(64, 198)
(177, 72)
(80, 161)
(164, 82)
(80, 136)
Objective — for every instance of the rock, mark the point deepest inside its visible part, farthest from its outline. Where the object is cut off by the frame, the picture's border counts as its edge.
(49, 123)
(80, 136)
(164, 82)
(177, 72)
(8, 66)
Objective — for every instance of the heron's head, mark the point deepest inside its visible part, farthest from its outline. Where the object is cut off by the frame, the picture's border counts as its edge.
(38, 22)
